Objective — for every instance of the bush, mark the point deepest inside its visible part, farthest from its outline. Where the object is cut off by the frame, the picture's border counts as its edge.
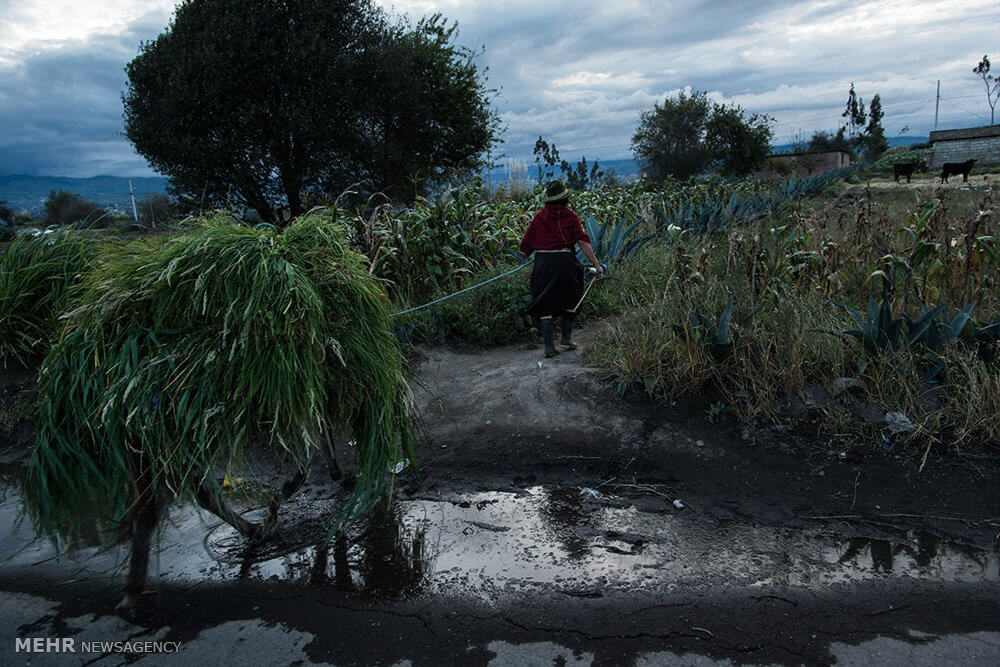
(155, 209)
(181, 354)
(64, 208)
(36, 276)
(897, 156)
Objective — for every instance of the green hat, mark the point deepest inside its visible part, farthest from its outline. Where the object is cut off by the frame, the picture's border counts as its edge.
(555, 191)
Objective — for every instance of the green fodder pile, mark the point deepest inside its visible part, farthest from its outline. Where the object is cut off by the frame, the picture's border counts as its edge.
(36, 274)
(183, 355)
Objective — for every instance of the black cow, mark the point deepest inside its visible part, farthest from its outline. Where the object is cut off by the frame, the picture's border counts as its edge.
(907, 169)
(956, 168)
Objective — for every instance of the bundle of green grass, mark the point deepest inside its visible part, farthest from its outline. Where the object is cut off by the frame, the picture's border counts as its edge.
(36, 275)
(190, 353)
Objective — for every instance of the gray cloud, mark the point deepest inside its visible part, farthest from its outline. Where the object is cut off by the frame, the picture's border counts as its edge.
(577, 72)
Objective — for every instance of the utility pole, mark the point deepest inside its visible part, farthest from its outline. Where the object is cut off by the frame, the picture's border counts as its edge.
(937, 105)
(131, 192)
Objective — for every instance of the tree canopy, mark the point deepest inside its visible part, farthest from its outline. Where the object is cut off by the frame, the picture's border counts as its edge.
(267, 103)
(688, 134)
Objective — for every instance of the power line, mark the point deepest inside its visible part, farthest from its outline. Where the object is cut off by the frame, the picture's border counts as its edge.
(973, 113)
(887, 106)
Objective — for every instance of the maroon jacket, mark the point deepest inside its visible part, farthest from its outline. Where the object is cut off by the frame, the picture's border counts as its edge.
(553, 228)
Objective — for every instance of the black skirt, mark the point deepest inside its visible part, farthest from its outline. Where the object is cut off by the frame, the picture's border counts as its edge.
(556, 283)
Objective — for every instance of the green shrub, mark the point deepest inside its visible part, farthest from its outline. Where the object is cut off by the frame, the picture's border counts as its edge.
(155, 209)
(899, 155)
(64, 208)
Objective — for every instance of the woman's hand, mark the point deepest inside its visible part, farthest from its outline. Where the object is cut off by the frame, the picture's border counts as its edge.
(588, 252)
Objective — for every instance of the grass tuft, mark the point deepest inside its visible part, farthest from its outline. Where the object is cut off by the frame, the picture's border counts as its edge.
(36, 276)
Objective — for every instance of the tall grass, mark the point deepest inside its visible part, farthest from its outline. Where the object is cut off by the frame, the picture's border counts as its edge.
(182, 355)
(36, 274)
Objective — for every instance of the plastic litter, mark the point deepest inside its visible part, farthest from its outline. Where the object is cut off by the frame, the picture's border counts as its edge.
(401, 466)
(898, 422)
(589, 492)
(678, 504)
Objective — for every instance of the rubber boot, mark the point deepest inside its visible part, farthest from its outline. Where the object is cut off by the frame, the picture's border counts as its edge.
(548, 334)
(567, 332)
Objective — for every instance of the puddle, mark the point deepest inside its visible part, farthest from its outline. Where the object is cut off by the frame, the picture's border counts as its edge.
(495, 545)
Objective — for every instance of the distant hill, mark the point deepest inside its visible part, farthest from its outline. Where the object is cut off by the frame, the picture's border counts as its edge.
(894, 142)
(28, 192)
(24, 192)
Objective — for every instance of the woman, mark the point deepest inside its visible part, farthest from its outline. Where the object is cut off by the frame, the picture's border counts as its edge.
(557, 278)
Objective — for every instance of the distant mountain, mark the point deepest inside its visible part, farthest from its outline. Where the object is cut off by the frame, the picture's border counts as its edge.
(894, 142)
(24, 192)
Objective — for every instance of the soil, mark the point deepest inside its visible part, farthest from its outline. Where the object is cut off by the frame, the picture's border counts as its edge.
(540, 527)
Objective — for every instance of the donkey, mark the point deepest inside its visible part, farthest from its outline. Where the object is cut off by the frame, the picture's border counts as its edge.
(956, 168)
(152, 500)
(907, 169)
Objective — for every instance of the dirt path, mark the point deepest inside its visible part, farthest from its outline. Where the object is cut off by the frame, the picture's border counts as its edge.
(540, 528)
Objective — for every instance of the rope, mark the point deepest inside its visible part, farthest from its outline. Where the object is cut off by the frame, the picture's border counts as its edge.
(463, 291)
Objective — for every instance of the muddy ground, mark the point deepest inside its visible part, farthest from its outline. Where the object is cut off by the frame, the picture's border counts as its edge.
(540, 528)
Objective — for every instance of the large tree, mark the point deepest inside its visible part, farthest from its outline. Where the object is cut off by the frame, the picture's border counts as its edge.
(737, 142)
(854, 114)
(266, 102)
(670, 138)
(874, 139)
(688, 134)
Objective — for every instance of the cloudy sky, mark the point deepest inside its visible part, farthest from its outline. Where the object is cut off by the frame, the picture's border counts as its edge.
(576, 72)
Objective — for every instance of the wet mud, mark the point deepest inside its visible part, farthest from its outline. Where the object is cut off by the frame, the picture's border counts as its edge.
(550, 522)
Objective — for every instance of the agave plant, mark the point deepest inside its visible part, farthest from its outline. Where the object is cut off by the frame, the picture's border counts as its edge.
(985, 336)
(881, 332)
(711, 335)
(613, 243)
(941, 333)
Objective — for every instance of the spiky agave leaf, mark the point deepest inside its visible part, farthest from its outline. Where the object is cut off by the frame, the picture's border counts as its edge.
(181, 354)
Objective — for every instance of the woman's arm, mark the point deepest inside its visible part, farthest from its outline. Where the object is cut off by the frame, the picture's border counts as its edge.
(588, 250)
(526, 244)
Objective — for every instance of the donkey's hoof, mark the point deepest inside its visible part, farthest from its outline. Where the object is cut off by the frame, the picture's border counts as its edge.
(261, 532)
(128, 607)
(348, 481)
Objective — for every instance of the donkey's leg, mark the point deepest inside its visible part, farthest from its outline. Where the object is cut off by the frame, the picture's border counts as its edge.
(329, 450)
(209, 498)
(142, 524)
(288, 489)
